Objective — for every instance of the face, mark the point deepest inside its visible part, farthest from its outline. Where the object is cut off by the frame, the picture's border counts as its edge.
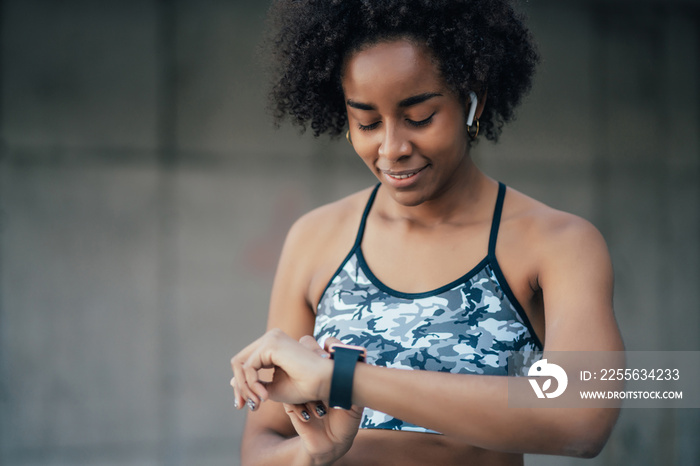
(405, 122)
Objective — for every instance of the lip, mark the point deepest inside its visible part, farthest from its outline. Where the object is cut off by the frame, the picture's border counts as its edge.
(403, 178)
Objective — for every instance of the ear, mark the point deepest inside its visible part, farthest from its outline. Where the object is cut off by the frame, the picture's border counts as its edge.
(475, 107)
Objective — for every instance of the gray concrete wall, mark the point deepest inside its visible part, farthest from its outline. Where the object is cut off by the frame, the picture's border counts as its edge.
(144, 197)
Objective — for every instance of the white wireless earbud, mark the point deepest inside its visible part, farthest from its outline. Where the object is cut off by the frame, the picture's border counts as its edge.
(472, 110)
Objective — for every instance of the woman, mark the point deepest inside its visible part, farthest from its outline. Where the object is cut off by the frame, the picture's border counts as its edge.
(438, 267)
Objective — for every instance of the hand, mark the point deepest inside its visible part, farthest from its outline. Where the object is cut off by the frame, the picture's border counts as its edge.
(301, 374)
(326, 434)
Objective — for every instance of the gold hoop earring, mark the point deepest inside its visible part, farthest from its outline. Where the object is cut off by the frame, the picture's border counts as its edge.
(470, 129)
(347, 136)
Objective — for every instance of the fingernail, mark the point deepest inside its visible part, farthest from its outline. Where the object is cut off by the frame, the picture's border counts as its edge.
(305, 415)
(251, 404)
(320, 410)
(235, 404)
(325, 356)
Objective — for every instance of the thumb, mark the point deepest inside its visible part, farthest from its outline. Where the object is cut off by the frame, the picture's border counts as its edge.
(331, 341)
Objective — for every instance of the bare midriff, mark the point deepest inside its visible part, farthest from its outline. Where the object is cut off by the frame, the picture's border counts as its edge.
(390, 447)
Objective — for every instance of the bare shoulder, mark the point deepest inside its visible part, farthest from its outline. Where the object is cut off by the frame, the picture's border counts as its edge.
(546, 228)
(543, 248)
(319, 240)
(321, 225)
(564, 259)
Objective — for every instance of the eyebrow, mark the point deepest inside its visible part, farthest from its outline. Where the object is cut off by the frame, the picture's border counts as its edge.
(408, 102)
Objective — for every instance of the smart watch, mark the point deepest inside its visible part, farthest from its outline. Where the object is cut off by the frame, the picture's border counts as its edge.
(345, 357)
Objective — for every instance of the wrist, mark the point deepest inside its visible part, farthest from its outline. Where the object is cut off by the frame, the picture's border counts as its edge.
(345, 359)
(324, 385)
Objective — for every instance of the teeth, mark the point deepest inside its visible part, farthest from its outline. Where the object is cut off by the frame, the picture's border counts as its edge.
(402, 177)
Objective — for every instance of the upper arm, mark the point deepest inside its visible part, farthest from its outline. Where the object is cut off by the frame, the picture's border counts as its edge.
(289, 311)
(314, 243)
(576, 279)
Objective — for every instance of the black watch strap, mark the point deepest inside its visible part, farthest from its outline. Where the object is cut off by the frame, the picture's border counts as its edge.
(343, 374)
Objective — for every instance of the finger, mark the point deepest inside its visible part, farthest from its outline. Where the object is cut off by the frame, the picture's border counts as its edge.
(309, 342)
(319, 409)
(331, 341)
(239, 396)
(252, 377)
(245, 353)
(237, 400)
(254, 348)
(246, 397)
(356, 411)
(300, 411)
(240, 402)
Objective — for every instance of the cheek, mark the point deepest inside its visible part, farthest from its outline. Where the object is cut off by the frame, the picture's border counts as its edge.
(446, 139)
(366, 150)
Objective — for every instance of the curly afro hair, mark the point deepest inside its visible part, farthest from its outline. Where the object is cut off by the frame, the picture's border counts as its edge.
(479, 45)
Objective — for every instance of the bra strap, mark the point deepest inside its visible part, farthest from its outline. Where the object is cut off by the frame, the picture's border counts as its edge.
(361, 230)
(495, 223)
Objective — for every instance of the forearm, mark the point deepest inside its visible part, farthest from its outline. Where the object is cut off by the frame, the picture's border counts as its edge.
(475, 409)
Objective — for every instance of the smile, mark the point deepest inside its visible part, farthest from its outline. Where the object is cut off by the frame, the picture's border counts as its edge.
(403, 174)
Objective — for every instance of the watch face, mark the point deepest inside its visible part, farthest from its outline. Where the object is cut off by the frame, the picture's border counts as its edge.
(362, 352)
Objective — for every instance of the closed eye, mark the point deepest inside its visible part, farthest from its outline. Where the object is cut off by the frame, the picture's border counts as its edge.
(368, 127)
(421, 122)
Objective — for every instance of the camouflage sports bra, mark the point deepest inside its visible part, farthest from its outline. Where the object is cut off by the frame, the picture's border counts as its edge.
(469, 326)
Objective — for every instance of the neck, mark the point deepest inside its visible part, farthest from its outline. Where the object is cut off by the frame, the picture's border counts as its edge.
(456, 203)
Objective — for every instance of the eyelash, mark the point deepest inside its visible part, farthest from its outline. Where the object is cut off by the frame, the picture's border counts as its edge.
(422, 122)
(416, 124)
(367, 127)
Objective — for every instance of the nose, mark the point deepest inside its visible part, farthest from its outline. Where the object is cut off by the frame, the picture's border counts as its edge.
(394, 144)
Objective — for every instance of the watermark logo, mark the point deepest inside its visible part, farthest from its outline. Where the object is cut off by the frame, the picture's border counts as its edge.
(550, 370)
(604, 379)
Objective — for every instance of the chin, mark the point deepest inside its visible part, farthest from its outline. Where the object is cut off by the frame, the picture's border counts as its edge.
(409, 198)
